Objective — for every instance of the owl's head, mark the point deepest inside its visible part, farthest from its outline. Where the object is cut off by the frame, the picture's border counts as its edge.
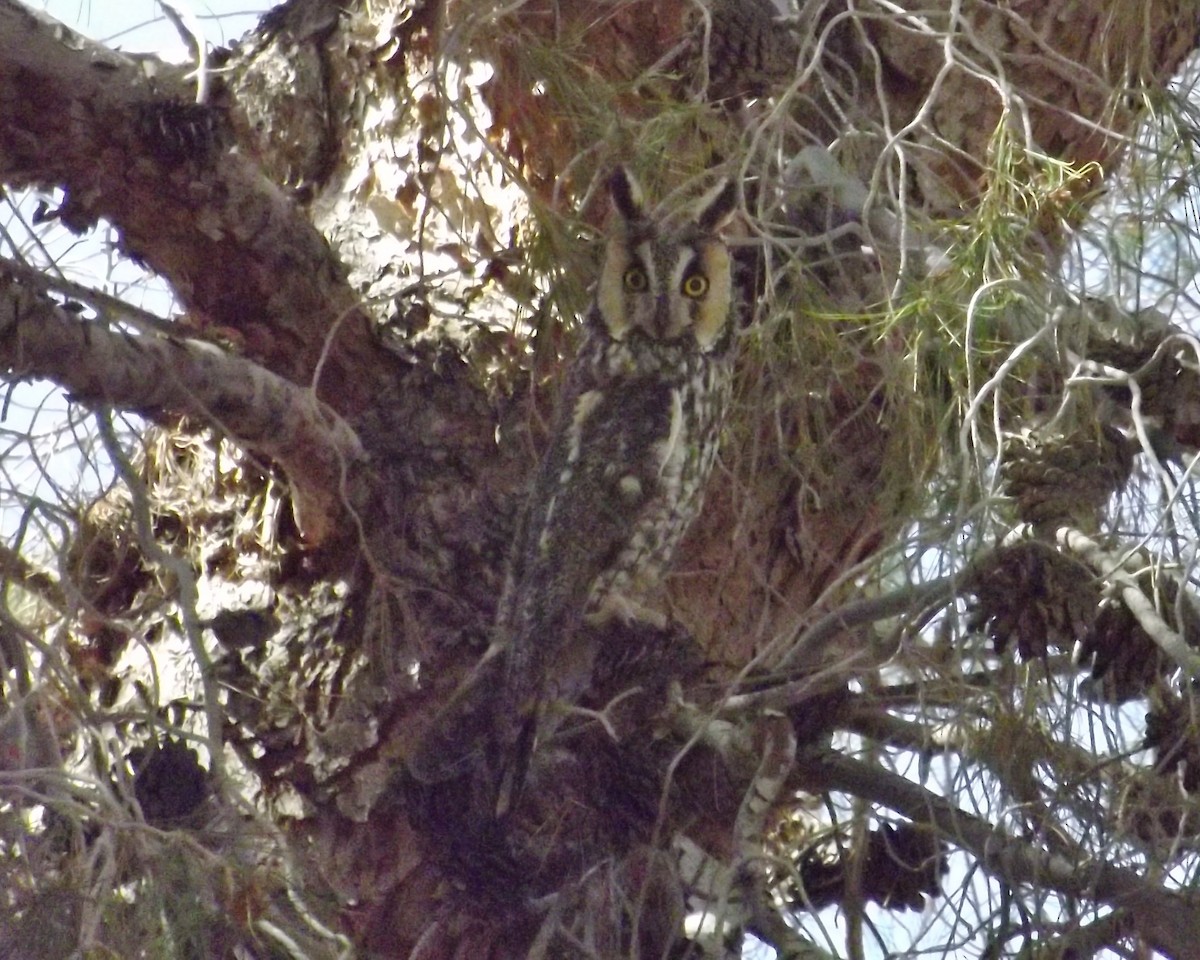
(667, 279)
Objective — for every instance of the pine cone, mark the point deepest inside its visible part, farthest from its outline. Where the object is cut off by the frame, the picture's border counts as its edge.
(1067, 480)
(1031, 593)
(752, 51)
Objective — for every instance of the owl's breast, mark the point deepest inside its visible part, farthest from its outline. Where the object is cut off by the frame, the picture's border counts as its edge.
(673, 478)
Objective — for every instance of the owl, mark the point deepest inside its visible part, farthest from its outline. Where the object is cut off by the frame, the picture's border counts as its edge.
(632, 448)
(633, 444)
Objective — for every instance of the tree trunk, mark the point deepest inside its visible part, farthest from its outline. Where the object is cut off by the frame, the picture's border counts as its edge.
(376, 228)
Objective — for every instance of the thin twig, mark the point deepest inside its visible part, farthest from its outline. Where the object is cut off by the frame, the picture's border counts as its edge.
(188, 26)
(811, 643)
(1117, 572)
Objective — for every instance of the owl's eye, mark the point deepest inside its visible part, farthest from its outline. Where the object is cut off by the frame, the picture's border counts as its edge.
(695, 285)
(635, 280)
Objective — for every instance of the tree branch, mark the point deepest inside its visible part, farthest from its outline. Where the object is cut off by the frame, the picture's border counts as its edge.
(236, 248)
(1169, 921)
(315, 447)
(812, 642)
(1117, 571)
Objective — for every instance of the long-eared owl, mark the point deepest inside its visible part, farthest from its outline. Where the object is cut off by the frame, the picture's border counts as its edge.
(633, 444)
(634, 441)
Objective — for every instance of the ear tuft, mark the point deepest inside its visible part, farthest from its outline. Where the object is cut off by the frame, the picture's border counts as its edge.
(717, 206)
(627, 195)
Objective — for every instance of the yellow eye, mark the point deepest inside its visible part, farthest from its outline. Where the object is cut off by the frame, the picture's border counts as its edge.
(695, 285)
(635, 280)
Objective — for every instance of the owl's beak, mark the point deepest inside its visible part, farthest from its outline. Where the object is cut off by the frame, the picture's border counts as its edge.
(662, 317)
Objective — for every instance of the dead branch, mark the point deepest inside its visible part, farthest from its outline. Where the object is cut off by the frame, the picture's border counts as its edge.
(317, 449)
(124, 141)
(1169, 921)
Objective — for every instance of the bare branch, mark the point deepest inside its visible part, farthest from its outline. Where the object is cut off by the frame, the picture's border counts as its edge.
(812, 642)
(1168, 920)
(236, 248)
(1118, 572)
(183, 19)
(109, 307)
(316, 448)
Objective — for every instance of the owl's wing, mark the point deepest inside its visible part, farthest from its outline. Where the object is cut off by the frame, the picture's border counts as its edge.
(605, 464)
(597, 488)
(599, 485)
(602, 477)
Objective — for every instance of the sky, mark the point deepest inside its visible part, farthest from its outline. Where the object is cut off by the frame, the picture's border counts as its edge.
(138, 26)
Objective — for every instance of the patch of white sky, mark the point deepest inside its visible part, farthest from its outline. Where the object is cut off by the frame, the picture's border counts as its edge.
(140, 26)
(1141, 244)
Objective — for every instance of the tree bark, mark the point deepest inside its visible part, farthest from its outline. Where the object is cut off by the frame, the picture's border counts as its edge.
(407, 426)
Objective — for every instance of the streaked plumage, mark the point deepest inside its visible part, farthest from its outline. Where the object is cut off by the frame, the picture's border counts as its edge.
(749, 48)
(633, 445)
